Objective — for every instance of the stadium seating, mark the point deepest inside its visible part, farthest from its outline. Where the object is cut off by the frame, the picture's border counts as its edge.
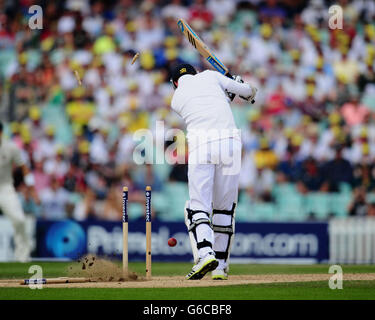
(262, 212)
(306, 116)
(175, 195)
(339, 203)
(317, 204)
(290, 207)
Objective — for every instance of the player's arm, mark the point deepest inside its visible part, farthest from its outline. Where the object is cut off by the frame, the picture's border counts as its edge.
(29, 180)
(28, 176)
(237, 86)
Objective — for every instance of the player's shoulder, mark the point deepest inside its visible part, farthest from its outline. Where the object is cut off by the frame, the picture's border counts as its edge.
(175, 98)
(207, 73)
(9, 147)
(8, 144)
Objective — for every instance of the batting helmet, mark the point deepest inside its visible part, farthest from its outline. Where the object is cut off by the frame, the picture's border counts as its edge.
(181, 70)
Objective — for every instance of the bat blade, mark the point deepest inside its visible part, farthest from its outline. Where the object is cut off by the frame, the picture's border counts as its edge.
(202, 48)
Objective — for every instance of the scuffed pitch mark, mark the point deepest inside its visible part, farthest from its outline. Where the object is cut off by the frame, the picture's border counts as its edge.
(100, 269)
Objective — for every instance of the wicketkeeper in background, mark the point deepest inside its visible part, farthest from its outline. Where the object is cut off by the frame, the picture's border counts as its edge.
(10, 205)
(214, 143)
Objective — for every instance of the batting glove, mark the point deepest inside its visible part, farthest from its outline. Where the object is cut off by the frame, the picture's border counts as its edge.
(252, 96)
(230, 95)
(253, 90)
(237, 79)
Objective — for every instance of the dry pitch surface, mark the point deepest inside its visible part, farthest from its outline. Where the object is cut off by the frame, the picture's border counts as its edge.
(180, 282)
(103, 273)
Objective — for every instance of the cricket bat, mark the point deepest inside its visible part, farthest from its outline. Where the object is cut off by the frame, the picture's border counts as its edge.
(208, 55)
(54, 280)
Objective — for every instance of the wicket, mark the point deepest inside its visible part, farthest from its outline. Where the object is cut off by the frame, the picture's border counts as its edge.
(125, 219)
(148, 232)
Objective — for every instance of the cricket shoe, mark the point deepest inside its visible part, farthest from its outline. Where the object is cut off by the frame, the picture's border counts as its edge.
(204, 265)
(219, 274)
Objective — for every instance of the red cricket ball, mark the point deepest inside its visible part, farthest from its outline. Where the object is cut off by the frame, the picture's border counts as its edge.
(172, 242)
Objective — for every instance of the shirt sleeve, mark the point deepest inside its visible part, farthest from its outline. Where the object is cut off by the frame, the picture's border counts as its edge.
(175, 104)
(242, 89)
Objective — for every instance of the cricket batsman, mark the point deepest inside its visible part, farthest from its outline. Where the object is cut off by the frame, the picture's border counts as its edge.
(214, 163)
(10, 205)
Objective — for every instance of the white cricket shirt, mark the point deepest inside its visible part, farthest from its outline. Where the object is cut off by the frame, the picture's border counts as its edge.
(201, 101)
(9, 155)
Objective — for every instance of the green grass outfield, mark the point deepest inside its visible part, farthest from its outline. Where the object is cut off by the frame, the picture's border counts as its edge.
(279, 291)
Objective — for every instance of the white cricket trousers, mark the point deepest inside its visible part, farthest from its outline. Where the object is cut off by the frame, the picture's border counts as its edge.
(11, 207)
(213, 173)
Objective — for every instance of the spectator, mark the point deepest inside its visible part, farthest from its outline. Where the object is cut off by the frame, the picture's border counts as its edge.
(54, 201)
(336, 171)
(112, 207)
(316, 91)
(30, 201)
(86, 209)
(42, 179)
(371, 209)
(358, 206)
(290, 166)
(311, 177)
(353, 112)
(364, 176)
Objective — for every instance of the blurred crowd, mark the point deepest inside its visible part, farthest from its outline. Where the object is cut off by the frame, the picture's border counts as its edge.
(313, 123)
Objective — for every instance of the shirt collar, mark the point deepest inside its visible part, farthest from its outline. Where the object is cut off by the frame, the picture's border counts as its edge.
(184, 77)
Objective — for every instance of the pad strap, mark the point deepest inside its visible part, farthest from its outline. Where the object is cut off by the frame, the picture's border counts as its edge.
(203, 244)
(197, 222)
(227, 212)
(223, 229)
(221, 255)
(229, 230)
(193, 212)
(193, 225)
